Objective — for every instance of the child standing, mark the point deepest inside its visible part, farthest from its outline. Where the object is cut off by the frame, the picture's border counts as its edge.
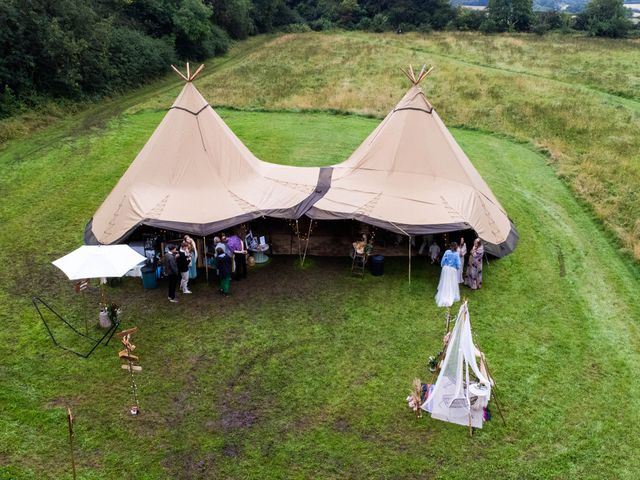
(223, 262)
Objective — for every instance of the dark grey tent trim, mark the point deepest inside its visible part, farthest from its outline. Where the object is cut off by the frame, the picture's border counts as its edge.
(317, 214)
(189, 111)
(506, 247)
(322, 187)
(204, 229)
(499, 250)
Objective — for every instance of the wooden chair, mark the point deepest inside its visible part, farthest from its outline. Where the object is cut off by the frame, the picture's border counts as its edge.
(359, 261)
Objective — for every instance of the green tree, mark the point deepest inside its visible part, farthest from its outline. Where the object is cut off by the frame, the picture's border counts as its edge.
(510, 15)
(234, 16)
(192, 27)
(605, 18)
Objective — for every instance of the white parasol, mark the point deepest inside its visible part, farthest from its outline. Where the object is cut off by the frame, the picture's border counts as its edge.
(97, 261)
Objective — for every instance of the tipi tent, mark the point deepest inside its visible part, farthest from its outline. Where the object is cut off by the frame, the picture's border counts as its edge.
(195, 176)
(456, 398)
(410, 176)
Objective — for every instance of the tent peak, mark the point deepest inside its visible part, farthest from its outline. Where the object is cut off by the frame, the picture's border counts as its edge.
(189, 77)
(412, 76)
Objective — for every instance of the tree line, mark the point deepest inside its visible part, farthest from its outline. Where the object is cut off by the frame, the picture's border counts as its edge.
(81, 48)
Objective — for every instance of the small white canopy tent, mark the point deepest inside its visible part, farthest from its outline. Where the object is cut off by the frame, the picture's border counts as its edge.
(457, 397)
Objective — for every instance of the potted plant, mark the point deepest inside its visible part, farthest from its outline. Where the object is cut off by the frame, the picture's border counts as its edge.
(109, 315)
(433, 363)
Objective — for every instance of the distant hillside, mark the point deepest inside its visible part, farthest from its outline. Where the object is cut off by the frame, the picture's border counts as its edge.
(573, 6)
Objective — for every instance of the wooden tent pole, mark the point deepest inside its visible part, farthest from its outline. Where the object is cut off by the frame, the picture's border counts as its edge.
(192, 77)
(493, 392)
(299, 245)
(206, 263)
(409, 259)
(180, 73)
(494, 388)
(188, 72)
(306, 246)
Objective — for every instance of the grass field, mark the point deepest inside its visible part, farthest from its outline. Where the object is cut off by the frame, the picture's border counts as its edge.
(303, 373)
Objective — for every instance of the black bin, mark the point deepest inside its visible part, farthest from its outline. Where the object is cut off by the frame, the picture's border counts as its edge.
(377, 265)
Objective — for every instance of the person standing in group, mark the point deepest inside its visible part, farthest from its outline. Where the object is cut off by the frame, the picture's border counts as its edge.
(448, 287)
(462, 251)
(223, 243)
(434, 252)
(236, 245)
(193, 266)
(474, 269)
(223, 262)
(184, 258)
(171, 271)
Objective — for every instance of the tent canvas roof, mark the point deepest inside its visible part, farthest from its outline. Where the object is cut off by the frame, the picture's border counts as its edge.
(194, 175)
(411, 176)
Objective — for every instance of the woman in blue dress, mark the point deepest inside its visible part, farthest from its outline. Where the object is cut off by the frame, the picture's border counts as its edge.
(193, 266)
(448, 287)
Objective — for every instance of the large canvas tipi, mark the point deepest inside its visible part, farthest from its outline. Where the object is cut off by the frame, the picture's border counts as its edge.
(195, 176)
(410, 176)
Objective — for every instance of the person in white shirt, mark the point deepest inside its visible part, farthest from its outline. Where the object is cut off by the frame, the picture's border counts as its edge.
(434, 252)
(462, 251)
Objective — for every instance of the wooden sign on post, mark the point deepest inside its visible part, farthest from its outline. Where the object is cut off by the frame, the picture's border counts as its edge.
(130, 359)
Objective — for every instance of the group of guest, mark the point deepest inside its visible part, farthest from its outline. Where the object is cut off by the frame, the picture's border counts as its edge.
(230, 259)
(452, 274)
(180, 263)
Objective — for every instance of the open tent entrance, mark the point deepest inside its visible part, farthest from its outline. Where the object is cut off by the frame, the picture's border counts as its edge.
(305, 237)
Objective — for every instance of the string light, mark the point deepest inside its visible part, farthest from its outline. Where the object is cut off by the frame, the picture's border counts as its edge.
(304, 236)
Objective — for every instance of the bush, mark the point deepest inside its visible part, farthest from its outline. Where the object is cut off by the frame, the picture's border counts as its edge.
(125, 50)
(322, 24)
(489, 26)
(469, 20)
(379, 23)
(297, 28)
(425, 28)
(546, 21)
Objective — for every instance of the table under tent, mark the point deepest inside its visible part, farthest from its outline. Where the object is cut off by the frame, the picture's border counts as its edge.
(408, 179)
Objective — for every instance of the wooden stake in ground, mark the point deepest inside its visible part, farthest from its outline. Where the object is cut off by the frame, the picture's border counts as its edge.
(70, 423)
